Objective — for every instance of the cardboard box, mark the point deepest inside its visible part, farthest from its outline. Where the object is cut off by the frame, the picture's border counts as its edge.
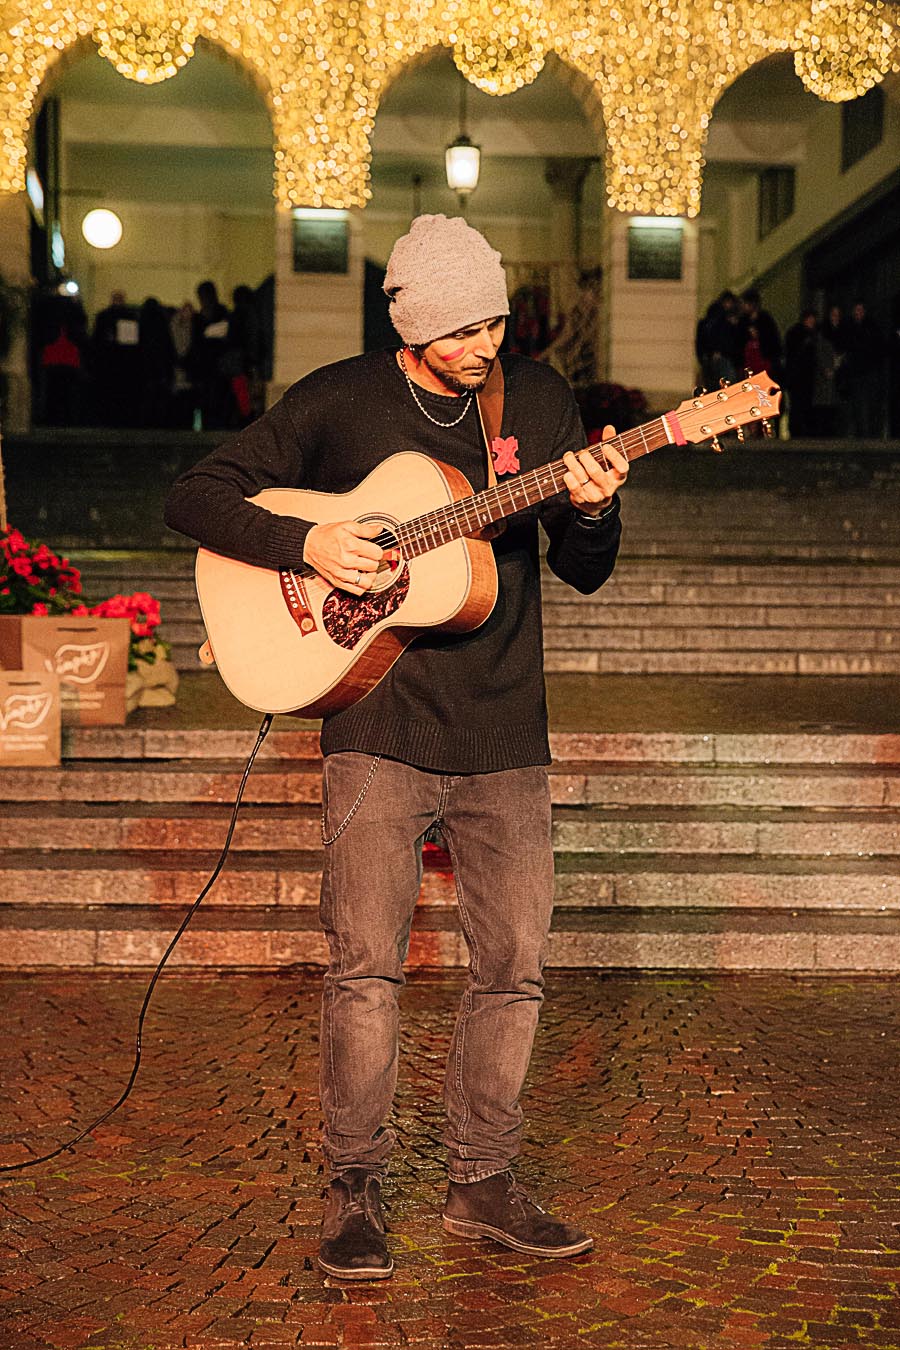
(29, 718)
(88, 655)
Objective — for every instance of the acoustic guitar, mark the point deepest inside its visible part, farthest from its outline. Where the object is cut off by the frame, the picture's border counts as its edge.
(290, 642)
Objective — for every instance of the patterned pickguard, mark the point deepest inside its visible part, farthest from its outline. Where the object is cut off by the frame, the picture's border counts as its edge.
(348, 618)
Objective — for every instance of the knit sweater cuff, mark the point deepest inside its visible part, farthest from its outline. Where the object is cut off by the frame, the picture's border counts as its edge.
(286, 539)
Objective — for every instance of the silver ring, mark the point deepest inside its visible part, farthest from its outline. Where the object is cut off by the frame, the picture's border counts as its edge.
(358, 579)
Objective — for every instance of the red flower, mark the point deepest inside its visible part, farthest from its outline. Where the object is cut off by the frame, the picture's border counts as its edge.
(40, 609)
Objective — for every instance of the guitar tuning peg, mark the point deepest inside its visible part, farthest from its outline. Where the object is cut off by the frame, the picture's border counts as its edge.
(767, 427)
(740, 433)
(723, 383)
(714, 443)
(698, 391)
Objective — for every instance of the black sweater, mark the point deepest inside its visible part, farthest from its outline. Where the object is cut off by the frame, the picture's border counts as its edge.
(454, 703)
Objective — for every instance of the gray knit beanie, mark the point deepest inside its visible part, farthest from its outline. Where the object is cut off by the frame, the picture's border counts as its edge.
(443, 276)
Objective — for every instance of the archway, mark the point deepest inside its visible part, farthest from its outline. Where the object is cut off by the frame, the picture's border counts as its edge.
(785, 170)
(540, 197)
(186, 165)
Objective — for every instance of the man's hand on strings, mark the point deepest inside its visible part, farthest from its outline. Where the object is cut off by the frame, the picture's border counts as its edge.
(344, 554)
(591, 485)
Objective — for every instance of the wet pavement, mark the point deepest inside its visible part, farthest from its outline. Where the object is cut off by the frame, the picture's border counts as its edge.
(733, 1143)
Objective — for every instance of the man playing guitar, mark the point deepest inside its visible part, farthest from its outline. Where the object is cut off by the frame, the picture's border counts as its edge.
(453, 736)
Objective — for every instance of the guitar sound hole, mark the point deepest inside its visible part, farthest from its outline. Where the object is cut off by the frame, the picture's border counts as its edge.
(348, 618)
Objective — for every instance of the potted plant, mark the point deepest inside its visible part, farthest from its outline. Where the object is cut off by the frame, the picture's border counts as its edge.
(36, 584)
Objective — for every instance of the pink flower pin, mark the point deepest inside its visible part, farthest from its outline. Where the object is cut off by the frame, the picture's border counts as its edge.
(504, 450)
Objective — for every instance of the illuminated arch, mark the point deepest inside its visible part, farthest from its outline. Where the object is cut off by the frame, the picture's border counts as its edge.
(658, 67)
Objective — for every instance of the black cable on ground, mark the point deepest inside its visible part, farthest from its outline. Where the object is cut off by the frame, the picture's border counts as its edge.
(70, 1143)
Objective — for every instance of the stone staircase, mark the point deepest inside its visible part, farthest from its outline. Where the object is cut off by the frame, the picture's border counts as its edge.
(670, 615)
(674, 851)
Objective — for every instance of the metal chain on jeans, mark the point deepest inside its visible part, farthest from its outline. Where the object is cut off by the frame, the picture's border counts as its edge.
(353, 809)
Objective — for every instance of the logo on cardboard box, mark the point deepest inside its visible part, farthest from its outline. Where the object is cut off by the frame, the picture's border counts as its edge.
(24, 712)
(78, 662)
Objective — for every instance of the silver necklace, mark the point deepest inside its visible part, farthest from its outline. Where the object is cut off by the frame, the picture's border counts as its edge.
(422, 408)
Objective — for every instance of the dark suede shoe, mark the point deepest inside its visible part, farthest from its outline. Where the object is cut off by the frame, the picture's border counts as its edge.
(498, 1208)
(353, 1245)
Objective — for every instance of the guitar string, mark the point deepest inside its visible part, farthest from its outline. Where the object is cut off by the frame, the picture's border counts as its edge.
(443, 521)
(412, 532)
(422, 530)
(457, 513)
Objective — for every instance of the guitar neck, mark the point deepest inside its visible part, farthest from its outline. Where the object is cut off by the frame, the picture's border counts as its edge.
(472, 514)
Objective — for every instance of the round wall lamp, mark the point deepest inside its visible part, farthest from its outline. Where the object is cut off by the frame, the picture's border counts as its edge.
(102, 228)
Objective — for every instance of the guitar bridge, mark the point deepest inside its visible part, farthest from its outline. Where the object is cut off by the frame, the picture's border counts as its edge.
(294, 592)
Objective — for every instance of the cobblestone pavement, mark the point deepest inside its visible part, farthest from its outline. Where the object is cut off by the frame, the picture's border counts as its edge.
(732, 1143)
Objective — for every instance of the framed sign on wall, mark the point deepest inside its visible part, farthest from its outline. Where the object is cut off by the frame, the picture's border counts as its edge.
(321, 241)
(654, 249)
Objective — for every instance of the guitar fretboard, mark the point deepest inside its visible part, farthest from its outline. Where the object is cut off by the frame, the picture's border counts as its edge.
(472, 514)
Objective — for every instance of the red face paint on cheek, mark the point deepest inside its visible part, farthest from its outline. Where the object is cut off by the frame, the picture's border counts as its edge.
(454, 355)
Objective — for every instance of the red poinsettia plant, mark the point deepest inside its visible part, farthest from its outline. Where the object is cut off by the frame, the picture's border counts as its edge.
(35, 580)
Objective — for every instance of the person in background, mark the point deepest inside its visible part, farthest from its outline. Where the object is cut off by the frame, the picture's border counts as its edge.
(116, 362)
(59, 345)
(209, 344)
(861, 374)
(894, 371)
(801, 353)
(717, 343)
(157, 357)
(183, 398)
(759, 339)
(242, 361)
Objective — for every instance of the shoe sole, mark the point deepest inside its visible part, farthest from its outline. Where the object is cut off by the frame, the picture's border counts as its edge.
(356, 1272)
(470, 1229)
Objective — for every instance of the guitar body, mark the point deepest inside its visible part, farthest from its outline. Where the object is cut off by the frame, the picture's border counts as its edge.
(290, 643)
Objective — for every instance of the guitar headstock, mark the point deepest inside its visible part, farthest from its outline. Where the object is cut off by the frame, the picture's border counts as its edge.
(753, 399)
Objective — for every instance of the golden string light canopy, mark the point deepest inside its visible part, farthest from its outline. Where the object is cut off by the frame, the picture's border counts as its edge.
(657, 67)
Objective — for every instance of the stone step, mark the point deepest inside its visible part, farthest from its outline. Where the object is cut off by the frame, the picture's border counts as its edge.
(292, 739)
(288, 878)
(583, 783)
(607, 938)
(656, 616)
(174, 569)
(624, 599)
(179, 600)
(720, 638)
(671, 625)
(617, 659)
(50, 827)
(718, 663)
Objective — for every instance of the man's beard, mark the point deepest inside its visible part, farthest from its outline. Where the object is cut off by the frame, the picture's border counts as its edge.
(452, 381)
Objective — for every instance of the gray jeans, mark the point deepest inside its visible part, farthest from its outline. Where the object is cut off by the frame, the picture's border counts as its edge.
(496, 827)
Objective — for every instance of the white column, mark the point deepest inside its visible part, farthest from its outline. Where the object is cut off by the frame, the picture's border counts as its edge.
(565, 179)
(650, 324)
(318, 317)
(15, 269)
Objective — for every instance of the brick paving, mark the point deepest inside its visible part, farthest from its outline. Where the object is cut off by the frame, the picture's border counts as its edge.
(733, 1143)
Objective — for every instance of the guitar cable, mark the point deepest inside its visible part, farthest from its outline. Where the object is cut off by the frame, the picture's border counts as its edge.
(263, 732)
